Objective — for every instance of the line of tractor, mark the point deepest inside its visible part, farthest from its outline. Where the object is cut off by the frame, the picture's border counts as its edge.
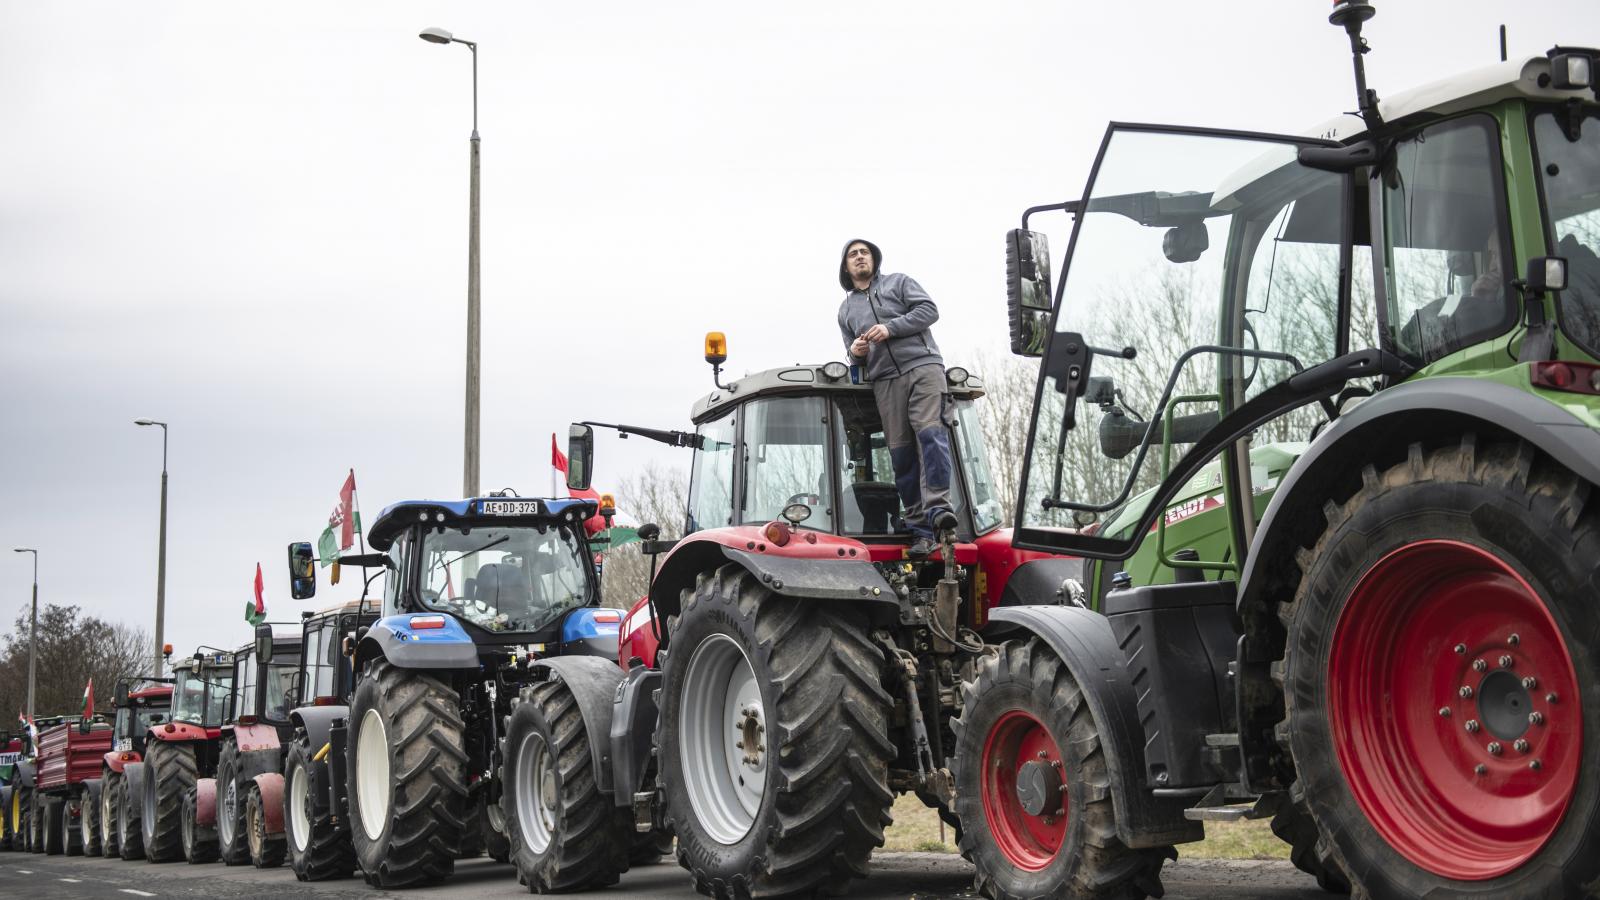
(1322, 548)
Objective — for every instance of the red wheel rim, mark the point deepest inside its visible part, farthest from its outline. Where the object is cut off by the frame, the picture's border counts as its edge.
(1029, 841)
(1454, 709)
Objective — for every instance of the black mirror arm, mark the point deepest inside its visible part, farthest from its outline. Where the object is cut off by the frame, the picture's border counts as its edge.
(668, 437)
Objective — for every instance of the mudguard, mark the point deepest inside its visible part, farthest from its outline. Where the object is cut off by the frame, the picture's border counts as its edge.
(633, 725)
(271, 786)
(593, 682)
(833, 568)
(25, 773)
(1043, 582)
(115, 760)
(393, 638)
(256, 737)
(317, 720)
(1084, 642)
(90, 794)
(133, 777)
(205, 802)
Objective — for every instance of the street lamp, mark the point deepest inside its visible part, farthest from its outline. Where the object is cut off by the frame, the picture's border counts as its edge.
(161, 558)
(33, 625)
(470, 461)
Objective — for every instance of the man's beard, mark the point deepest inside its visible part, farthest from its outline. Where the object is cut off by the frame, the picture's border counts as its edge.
(861, 275)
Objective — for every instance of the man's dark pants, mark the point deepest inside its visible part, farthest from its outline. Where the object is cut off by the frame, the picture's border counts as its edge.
(914, 407)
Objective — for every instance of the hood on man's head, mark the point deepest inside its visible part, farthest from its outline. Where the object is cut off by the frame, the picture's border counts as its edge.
(877, 261)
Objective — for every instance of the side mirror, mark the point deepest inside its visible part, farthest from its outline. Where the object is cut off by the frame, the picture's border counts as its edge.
(1546, 273)
(302, 571)
(264, 643)
(119, 695)
(1028, 290)
(580, 457)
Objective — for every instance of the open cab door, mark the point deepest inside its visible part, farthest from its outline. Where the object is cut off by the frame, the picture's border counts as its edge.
(1201, 326)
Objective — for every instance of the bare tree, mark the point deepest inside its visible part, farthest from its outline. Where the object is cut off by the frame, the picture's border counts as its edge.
(657, 495)
(72, 649)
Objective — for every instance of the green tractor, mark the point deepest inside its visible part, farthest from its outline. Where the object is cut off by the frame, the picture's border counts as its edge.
(1322, 414)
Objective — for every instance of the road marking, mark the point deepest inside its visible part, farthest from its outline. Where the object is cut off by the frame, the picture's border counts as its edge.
(137, 893)
(71, 880)
(26, 871)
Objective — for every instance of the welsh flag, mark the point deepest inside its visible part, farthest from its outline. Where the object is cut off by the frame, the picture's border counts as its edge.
(88, 699)
(343, 523)
(255, 613)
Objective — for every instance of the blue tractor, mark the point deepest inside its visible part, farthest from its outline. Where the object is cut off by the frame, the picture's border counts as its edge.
(481, 598)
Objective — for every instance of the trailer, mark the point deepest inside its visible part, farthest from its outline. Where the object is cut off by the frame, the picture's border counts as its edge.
(68, 763)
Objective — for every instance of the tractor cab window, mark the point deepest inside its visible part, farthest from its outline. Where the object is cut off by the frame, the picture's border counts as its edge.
(1215, 258)
(1445, 267)
(711, 477)
(201, 698)
(322, 661)
(505, 578)
(786, 460)
(868, 501)
(244, 685)
(986, 503)
(280, 686)
(1569, 173)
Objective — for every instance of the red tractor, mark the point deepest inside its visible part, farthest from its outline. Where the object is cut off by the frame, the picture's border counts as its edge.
(112, 815)
(177, 753)
(245, 799)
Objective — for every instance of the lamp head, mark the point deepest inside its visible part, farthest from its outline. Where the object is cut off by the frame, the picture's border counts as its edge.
(436, 36)
(148, 422)
(23, 550)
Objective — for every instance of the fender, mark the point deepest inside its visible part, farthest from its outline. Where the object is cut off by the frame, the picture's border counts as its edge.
(205, 802)
(261, 761)
(792, 569)
(593, 682)
(633, 725)
(133, 778)
(317, 720)
(1038, 582)
(179, 732)
(1389, 420)
(25, 773)
(116, 759)
(271, 786)
(250, 738)
(90, 794)
(1084, 642)
(393, 638)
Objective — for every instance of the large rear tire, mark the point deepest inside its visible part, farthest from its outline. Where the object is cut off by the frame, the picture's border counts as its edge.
(5, 816)
(89, 817)
(231, 845)
(319, 849)
(1033, 786)
(774, 740)
(266, 847)
(408, 782)
(565, 835)
(169, 770)
(130, 812)
(53, 826)
(110, 791)
(1442, 712)
(199, 841)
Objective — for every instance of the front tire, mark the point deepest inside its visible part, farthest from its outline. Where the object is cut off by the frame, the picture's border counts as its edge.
(71, 832)
(266, 847)
(774, 740)
(1442, 713)
(565, 835)
(1033, 786)
(408, 785)
(199, 841)
(53, 826)
(231, 846)
(110, 797)
(89, 817)
(169, 771)
(319, 849)
(130, 812)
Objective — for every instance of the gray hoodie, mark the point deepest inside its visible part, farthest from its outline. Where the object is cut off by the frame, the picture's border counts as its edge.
(901, 305)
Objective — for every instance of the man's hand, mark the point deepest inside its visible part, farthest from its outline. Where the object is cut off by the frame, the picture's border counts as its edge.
(858, 347)
(877, 334)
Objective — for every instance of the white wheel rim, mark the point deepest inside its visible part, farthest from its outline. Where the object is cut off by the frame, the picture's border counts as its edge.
(535, 792)
(108, 800)
(720, 710)
(85, 831)
(372, 774)
(299, 800)
(230, 808)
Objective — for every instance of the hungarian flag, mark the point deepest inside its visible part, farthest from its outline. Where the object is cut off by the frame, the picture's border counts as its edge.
(256, 613)
(88, 699)
(343, 523)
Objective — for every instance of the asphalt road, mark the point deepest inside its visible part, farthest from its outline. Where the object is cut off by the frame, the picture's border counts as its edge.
(923, 876)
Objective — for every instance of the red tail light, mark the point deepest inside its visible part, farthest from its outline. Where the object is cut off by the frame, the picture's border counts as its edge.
(1571, 377)
(420, 622)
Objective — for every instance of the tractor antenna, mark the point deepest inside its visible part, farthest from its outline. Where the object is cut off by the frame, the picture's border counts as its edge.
(1502, 42)
(1349, 15)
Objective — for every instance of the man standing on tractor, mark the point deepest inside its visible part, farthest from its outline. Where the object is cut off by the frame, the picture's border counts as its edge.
(885, 321)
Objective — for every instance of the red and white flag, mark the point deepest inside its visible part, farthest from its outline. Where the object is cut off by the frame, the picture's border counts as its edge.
(88, 699)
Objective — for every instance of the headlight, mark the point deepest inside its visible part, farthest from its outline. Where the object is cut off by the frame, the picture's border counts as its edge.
(956, 375)
(835, 370)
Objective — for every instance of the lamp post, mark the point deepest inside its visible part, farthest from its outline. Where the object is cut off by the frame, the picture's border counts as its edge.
(33, 626)
(470, 460)
(161, 558)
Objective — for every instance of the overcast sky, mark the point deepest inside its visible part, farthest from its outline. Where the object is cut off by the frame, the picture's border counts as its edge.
(250, 222)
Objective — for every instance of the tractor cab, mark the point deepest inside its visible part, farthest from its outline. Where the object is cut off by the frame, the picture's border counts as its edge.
(324, 676)
(137, 712)
(201, 687)
(488, 571)
(263, 677)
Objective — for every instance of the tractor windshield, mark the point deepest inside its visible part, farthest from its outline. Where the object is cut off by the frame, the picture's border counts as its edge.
(201, 698)
(280, 693)
(505, 578)
(1569, 172)
(1216, 258)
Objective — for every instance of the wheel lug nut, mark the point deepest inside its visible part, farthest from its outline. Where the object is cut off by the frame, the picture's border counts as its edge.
(1521, 745)
(1480, 769)
(1461, 649)
(1536, 765)
(739, 745)
(1043, 755)
(1472, 726)
(1552, 698)
(1465, 693)
(1506, 661)
(1514, 639)
(1479, 665)
(1444, 712)
(1493, 748)
(1530, 683)
(1535, 718)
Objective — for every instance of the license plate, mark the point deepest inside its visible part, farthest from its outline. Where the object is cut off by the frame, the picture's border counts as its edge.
(510, 507)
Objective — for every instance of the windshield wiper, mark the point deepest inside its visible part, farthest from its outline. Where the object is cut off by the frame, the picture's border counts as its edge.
(497, 541)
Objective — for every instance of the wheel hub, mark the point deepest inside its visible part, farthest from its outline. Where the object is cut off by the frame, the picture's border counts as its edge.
(1039, 788)
(752, 736)
(1022, 782)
